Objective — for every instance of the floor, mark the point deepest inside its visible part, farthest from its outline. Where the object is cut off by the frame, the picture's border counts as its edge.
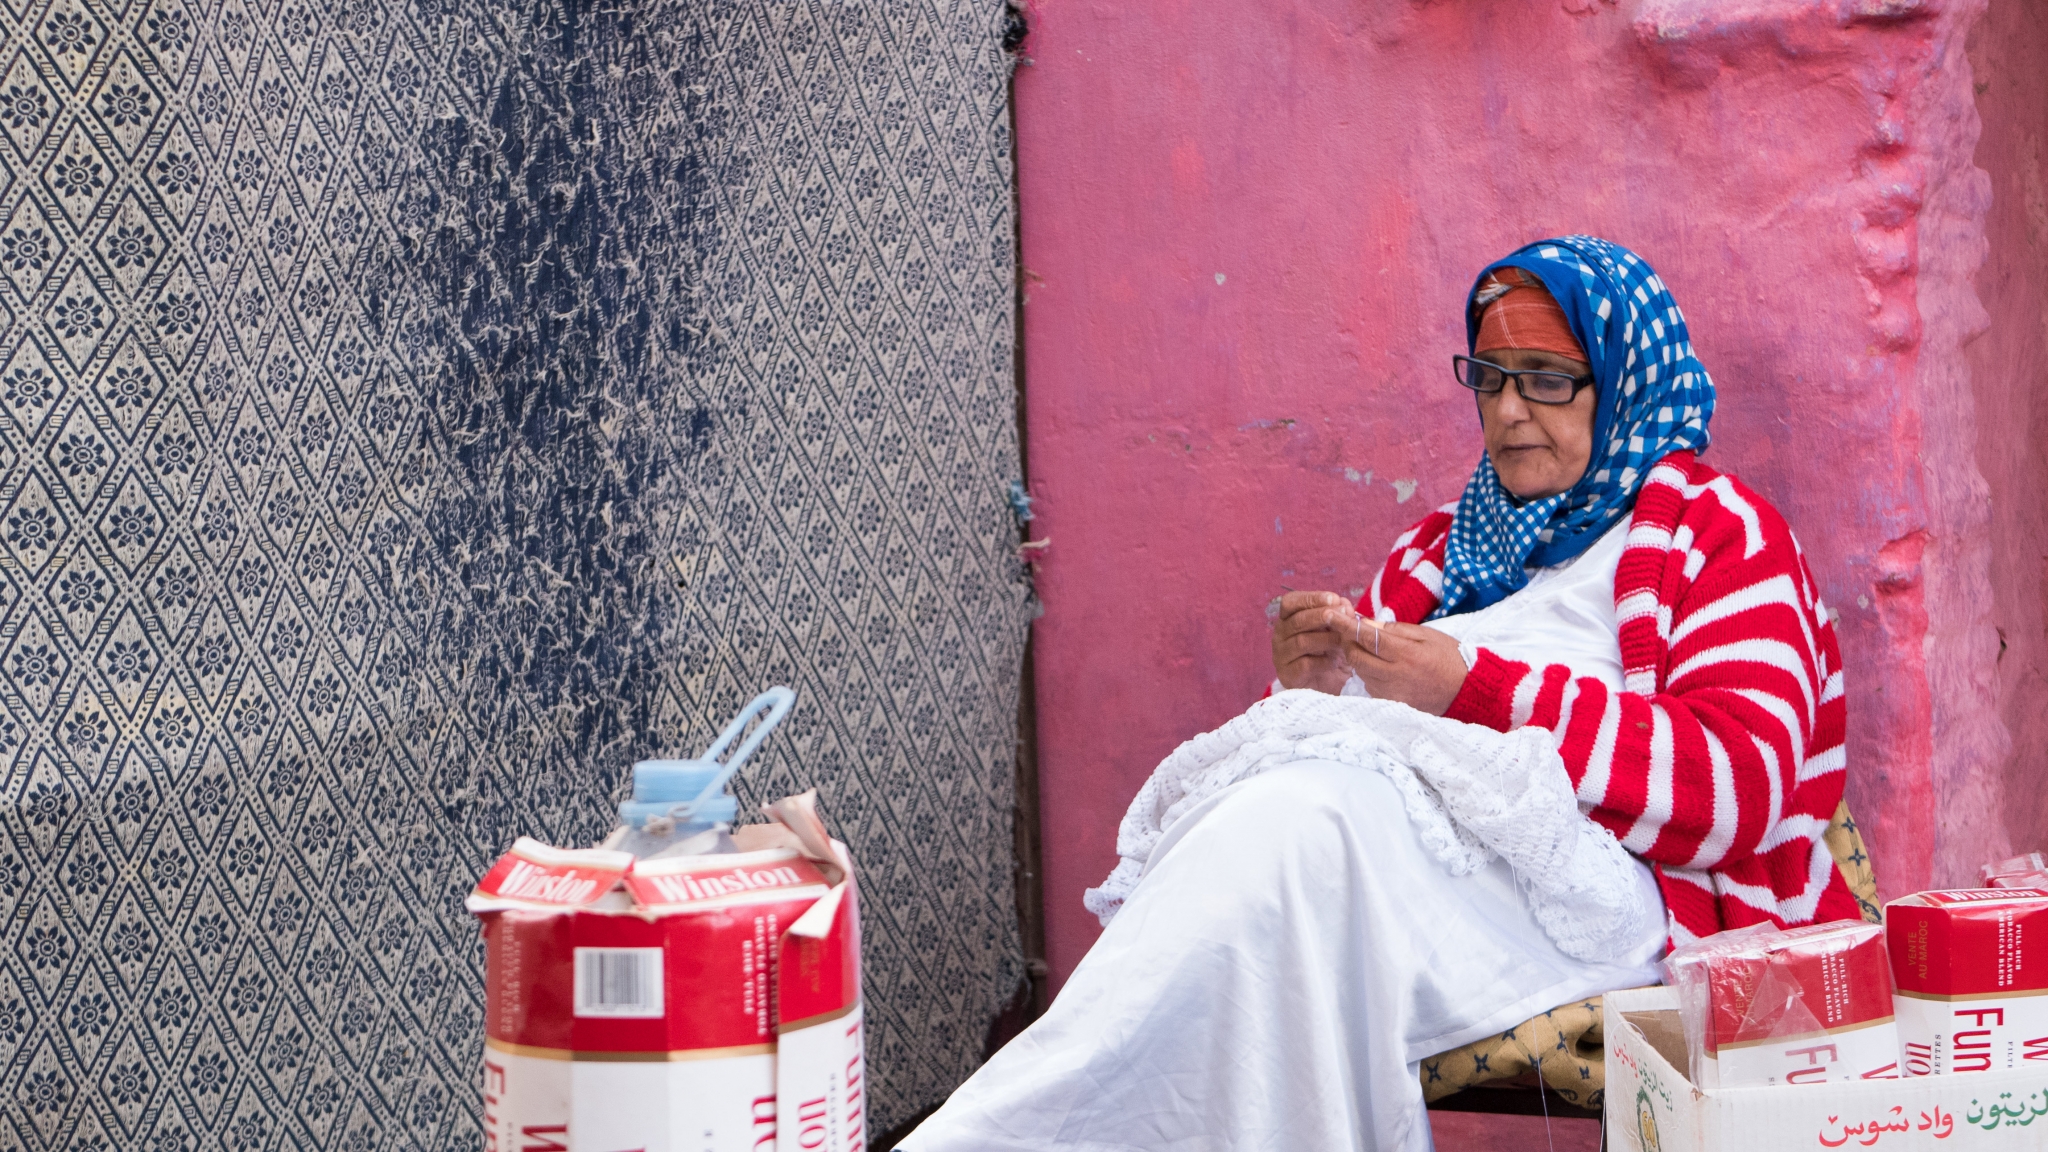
(1478, 1132)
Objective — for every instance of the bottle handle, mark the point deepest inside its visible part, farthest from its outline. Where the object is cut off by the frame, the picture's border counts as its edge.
(777, 701)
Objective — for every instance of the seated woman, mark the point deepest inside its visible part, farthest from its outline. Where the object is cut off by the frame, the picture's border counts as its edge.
(1293, 948)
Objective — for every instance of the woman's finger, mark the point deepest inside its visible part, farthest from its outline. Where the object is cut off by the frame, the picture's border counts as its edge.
(1293, 602)
(1412, 640)
(1308, 644)
(1367, 639)
(1319, 619)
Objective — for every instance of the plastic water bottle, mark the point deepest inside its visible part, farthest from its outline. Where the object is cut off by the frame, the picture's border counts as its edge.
(682, 807)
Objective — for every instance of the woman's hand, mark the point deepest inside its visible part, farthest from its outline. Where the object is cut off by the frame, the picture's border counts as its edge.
(1320, 640)
(1307, 648)
(1418, 666)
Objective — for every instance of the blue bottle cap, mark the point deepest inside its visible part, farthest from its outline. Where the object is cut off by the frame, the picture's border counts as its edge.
(662, 785)
(693, 792)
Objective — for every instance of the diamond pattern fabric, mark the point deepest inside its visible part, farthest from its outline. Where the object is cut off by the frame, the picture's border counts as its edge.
(411, 413)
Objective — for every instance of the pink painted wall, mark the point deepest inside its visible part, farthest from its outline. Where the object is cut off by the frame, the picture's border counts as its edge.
(2009, 372)
(1248, 231)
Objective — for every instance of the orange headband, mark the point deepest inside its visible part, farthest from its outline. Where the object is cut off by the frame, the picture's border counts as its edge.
(1521, 313)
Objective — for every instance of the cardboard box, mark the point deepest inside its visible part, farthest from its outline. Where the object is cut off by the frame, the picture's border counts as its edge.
(700, 1003)
(1972, 972)
(1652, 1107)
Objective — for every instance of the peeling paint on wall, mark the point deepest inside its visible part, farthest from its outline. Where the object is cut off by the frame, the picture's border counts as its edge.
(2009, 377)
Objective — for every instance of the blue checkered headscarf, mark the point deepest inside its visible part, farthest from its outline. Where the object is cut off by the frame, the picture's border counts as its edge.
(1654, 399)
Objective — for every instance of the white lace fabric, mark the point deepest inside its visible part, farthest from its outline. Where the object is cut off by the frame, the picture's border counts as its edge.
(1471, 793)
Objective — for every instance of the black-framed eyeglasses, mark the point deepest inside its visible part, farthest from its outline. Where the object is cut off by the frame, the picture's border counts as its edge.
(1537, 387)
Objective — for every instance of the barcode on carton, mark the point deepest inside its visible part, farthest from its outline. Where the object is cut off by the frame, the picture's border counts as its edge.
(619, 982)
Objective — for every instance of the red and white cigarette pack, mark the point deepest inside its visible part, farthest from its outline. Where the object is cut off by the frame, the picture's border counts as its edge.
(695, 1004)
(1972, 969)
(1806, 1005)
(2028, 871)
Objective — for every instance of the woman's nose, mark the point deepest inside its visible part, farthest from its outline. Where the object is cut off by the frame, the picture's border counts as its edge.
(1508, 404)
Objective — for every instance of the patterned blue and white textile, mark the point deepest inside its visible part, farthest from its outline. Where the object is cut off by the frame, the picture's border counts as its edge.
(411, 413)
(1655, 398)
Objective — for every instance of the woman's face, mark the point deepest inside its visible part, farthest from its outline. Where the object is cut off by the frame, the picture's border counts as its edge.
(1537, 449)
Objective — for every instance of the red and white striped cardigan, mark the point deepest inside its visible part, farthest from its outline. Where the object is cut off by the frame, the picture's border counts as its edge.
(1721, 761)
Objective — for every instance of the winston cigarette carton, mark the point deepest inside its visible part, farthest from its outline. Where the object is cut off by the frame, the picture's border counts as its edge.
(708, 1003)
(1972, 971)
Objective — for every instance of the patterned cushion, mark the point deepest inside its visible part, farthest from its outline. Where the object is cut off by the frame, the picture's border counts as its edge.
(1564, 1044)
(1846, 842)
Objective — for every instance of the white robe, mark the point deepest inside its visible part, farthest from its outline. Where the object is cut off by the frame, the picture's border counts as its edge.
(1294, 949)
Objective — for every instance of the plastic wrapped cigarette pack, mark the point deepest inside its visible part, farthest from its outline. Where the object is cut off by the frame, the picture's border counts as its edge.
(2028, 871)
(1764, 1005)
